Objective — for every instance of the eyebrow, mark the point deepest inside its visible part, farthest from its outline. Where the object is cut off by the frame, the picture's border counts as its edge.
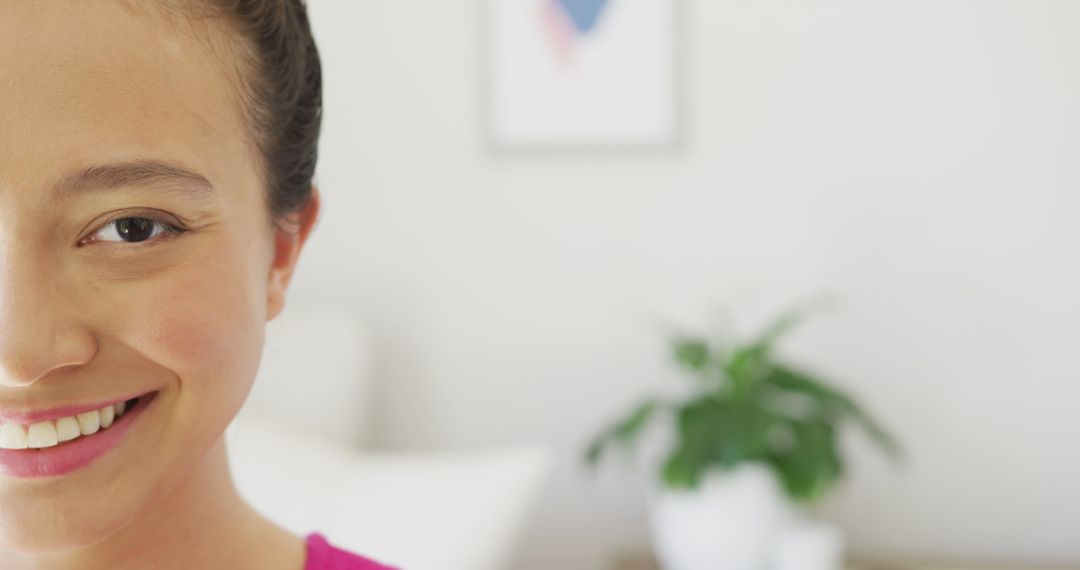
(136, 173)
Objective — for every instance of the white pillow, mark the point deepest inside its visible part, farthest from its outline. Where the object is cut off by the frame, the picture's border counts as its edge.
(416, 511)
(315, 373)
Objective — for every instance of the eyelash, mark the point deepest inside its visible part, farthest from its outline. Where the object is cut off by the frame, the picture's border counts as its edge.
(167, 229)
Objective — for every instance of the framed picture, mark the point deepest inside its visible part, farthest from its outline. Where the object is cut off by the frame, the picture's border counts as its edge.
(581, 73)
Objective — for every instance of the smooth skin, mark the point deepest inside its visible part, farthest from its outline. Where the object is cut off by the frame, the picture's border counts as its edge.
(86, 316)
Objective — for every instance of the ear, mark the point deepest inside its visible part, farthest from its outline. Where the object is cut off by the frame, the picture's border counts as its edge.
(288, 241)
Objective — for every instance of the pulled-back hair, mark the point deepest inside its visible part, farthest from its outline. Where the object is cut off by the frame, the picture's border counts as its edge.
(279, 82)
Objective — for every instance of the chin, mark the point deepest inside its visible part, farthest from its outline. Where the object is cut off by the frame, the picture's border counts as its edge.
(55, 529)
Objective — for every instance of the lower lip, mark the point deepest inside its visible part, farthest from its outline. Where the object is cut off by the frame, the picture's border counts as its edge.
(71, 455)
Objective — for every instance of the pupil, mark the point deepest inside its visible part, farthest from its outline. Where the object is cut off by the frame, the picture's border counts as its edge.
(134, 229)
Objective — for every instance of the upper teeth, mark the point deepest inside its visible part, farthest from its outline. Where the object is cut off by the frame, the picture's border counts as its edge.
(49, 433)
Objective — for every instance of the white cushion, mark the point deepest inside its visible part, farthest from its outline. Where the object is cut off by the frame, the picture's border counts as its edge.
(315, 373)
(417, 511)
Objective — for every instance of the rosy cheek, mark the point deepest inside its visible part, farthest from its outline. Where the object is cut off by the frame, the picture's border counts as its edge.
(202, 324)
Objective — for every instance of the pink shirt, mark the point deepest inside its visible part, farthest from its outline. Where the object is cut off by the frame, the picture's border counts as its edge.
(321, 555)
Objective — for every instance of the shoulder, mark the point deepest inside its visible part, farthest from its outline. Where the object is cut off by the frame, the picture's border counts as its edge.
(321, 555)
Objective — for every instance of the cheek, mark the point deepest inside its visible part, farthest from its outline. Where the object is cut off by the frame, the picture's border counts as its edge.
(196, 331)
(203, 323)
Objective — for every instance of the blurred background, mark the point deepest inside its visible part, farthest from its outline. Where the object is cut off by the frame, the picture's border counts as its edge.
(508, 275)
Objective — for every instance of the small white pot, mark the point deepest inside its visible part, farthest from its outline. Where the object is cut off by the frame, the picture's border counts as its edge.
(731, 522)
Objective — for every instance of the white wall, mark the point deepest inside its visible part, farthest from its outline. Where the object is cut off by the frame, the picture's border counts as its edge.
(917, 157)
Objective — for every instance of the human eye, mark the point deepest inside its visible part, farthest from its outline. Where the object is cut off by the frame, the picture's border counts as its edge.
(136, 228)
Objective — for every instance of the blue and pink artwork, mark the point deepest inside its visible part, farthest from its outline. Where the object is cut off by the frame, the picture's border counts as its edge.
(565, 22)
(583, 13)
(581, 72)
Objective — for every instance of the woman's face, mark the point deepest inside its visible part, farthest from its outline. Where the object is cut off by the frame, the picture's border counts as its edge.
(106, 113)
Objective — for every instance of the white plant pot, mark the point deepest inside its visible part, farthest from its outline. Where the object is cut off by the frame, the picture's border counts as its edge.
(731, 522)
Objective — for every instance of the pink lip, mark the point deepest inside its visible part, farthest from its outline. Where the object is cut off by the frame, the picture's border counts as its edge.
(70, 455)
(27, 418)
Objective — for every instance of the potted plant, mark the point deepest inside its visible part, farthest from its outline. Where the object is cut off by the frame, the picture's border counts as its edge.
(756, 437)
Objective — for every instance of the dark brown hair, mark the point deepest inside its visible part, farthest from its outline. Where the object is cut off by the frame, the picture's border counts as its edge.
(279, 78)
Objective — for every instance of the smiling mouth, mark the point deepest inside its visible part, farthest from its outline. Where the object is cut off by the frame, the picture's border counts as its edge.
(59, 432)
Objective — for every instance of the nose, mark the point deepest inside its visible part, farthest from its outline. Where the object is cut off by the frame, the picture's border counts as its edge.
(39, 327)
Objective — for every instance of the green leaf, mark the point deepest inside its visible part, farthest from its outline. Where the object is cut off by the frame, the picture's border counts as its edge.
(787, 321)
(833, 402)
(779, 328)
(706, 432)
(628, 430)
(691, 353)
(717, 431)
(680, 471)
(746, 368)
(810, 467)
(623, 432)
(596, 450)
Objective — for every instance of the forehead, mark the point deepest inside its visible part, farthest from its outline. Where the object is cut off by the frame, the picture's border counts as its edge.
(92, 82)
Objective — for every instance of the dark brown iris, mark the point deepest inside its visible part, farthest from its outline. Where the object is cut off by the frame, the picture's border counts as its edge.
(134, 229)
